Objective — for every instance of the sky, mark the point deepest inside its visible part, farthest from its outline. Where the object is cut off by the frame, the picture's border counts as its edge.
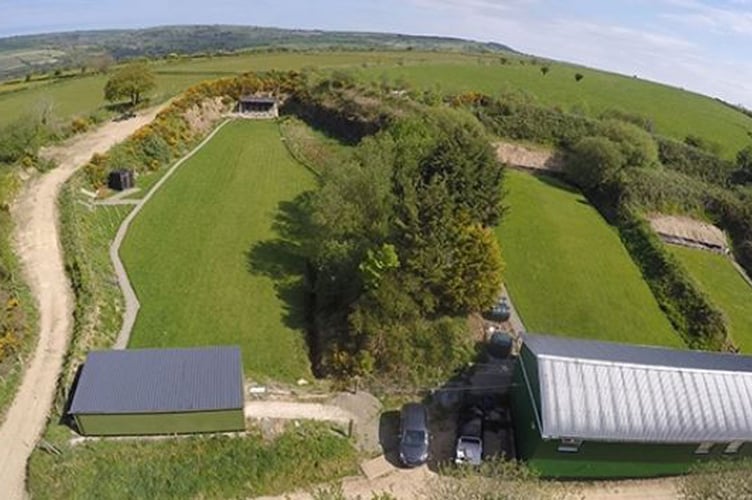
(700, 45)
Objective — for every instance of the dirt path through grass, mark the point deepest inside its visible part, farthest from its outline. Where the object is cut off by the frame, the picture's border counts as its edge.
(37, 243)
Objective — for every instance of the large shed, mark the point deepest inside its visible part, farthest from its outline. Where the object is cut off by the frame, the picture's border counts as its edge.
(588, 409)
(159, 391)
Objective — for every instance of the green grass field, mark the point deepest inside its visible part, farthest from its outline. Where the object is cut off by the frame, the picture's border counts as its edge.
(675, 112)
(208, 265)
(190, 467)
(568, 272)
(85, 95)
(726, 289)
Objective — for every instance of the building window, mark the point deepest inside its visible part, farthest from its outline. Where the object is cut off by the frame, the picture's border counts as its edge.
(733, 447)
(569, 445)
(704, 448)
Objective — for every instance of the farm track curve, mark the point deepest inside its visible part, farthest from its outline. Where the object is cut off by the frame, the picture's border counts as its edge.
(37, 243)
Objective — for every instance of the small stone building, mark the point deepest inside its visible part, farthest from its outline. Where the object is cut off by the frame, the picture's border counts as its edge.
(591, 409)
(159, 391)
(251, 106)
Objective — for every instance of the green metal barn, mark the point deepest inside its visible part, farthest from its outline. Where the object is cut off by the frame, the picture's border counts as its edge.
(159, 391)
(587, 409)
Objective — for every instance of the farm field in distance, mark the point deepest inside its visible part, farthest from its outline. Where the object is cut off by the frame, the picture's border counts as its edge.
(568, 272)
(675, 113)
(85, 95)
(208, 265)
(726, 288)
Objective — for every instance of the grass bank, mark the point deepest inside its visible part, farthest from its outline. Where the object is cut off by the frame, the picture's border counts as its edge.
(725, 287)
(568, 272)
(208, 263)
(18, 318)
(191, 467)
(86, 234)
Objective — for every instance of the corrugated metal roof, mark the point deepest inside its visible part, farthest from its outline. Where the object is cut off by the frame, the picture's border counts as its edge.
(640, 354)
(614, 392)
(160, 380)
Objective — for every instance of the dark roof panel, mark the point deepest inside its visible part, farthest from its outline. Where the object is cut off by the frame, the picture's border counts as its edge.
(160, 380)
(258, 99)
(638, 354)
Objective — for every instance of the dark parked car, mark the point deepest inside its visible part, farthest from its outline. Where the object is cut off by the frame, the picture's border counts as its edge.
(414, 435)
(470, 437)
(501, 311)
(499, 345)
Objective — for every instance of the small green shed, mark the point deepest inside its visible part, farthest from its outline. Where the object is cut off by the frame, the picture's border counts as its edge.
(587, 409)
(159, 391)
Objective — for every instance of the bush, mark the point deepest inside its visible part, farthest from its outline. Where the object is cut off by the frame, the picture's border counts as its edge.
(79, 125)
(594, 162)
(643, 122)
(690, 311)
(743, 172)
(636, 145)
(518, 117)
(666, 191)
(706, 145)
(694, 162)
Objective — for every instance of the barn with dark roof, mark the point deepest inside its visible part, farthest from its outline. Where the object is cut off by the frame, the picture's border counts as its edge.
(159, 391)
(588, 409)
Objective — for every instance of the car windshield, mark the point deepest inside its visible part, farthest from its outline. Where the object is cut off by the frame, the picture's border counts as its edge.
(469, 440)
(414, 438)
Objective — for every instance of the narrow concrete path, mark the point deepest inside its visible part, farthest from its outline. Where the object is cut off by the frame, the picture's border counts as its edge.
(515, 320)
(110, 203)
(287, 410)
(132, 304)
(37, 244)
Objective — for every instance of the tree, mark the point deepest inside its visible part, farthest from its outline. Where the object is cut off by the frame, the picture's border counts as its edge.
(22, 138)
(473, 280)
(130, 82)
(578, 77)
(544, 70)
(744, 164)
(594, 162)
(637, 146)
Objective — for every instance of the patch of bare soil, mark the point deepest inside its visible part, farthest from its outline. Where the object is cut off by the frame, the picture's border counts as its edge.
(516, 155)
(689, 232)
(204, 116)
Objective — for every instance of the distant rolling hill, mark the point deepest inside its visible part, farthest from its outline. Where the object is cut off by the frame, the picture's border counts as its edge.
(20, 55)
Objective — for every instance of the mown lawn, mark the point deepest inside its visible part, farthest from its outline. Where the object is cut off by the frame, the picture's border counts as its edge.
(190, 467)
(568, 272)
(726, 289)
(207, 262)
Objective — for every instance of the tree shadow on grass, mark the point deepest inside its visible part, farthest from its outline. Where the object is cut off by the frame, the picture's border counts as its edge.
(283, 259)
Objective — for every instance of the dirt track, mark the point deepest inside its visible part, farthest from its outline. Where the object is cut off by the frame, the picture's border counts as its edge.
(38, 245)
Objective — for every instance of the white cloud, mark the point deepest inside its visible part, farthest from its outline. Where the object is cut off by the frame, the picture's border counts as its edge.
(657, 53)
(735, 17)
